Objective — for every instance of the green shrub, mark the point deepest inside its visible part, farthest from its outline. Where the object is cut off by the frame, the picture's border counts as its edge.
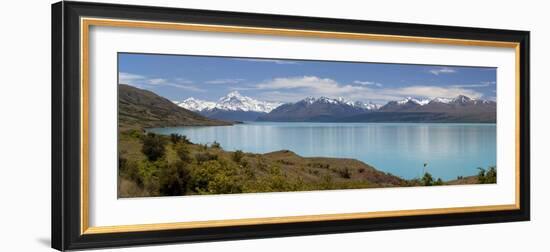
(122, 163)
(438, 182)
(487, 176)
(344, 173)
(149, 172)
(491, 175)
(153, 146)
(182, 150)
(248, 172)
(261, 164)
(202, 157)
(481, 175)
(174, 179)
(427, 179)
(216, 145)
(135, 133)
(237, 156)
(326, 182)
(176, 138)
(216, 177)
(277, 181)
(129, 170)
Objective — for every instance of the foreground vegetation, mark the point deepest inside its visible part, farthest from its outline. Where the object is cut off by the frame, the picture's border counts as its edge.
(157, 165)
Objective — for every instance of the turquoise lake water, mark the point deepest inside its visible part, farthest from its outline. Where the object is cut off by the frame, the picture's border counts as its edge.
(450, 150)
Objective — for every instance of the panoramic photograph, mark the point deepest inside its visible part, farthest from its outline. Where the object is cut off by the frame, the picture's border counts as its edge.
(196, 125)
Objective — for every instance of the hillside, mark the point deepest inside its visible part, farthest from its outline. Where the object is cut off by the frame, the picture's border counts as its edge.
(138, 108)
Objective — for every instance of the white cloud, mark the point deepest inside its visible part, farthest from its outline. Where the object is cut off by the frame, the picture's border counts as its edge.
(129, 78)
(442, 70)
(367, 83)
(224, 81)
(279, 62)
(481, 84)
(295, 88)
(470, 85)
(310, 84)
(186, 87)
(433, 91)
(142, 81)
(156, 81)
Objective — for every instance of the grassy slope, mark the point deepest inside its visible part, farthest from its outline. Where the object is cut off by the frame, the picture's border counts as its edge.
(297, 173)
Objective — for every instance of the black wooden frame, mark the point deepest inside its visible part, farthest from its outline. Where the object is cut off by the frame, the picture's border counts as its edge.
(66, 125)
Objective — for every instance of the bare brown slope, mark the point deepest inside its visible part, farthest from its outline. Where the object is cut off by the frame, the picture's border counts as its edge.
(342, 170)
(138, 109)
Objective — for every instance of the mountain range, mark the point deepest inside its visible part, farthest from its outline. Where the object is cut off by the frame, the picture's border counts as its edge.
(317, 109)
(236, 107)
(459, 109)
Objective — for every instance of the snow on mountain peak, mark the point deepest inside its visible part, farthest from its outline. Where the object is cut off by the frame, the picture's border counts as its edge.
(458, 99)
(309, 99)
(195, 104)
(233, 94)
(420, 102)
(328, 100)
(345, 101)
(233, 101)
(367, 106)
(441, 100)
(340, 101)
(463, 99)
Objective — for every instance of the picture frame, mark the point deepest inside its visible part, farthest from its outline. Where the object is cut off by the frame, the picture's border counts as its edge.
(71, 24)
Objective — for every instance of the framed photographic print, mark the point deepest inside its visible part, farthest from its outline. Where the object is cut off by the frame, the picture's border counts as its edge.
(180, 125)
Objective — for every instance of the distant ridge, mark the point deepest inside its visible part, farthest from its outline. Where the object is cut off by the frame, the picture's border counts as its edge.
(460, 109)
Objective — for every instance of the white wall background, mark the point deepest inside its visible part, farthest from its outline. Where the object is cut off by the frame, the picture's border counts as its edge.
(25, 125)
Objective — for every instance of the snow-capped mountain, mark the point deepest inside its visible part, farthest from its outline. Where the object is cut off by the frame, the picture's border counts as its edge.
(413, 100)
(460, 105)
(233, 101)
(318, 109)
(196, 104)
(367, 106)
(324, 109)
(341, 101)
(237, 107)
(441, 100)
(359, 104)
(233, 107)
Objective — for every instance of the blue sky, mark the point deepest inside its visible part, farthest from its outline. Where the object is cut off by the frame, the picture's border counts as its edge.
(178, 77)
